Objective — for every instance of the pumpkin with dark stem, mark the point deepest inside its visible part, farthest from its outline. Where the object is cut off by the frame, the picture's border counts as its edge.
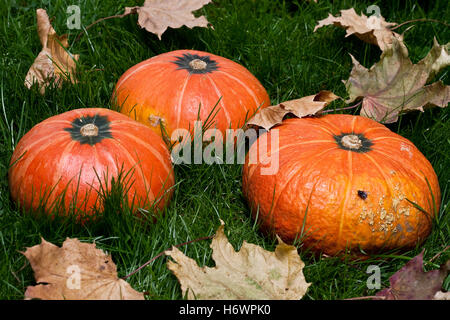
(341, 184)
(67, 159)
(175, 89)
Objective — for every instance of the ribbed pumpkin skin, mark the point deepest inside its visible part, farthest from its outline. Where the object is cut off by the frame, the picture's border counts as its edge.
(54, 156)
(354, 200)
(164, 88)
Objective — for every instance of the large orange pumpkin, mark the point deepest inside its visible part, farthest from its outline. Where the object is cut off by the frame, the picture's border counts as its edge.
(179, 87)
(344, 184)
(68, 158)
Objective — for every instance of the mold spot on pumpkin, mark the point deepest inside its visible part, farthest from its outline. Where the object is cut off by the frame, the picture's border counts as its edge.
(90, 129)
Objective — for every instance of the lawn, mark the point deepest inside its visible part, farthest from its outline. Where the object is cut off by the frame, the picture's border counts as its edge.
(272, 39)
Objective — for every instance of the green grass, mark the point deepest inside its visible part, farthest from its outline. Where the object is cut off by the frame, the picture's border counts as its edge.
(275, 41)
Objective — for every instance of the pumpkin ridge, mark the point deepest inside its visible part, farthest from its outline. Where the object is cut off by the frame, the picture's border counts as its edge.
(243, 72)
(330, 124)
(30, 157)
(393, 138)
(383, 175)
(143, 66)
(57, 174)
(376, 128)
(147, 185)
(346, 196)
(150, 148)
(256, 165)
(326, 130)
(242, 84)
(133, 163)
(220, 96)
(397, 161)
(180, 100)
(291, 176)
(49, 197)
(353, 124)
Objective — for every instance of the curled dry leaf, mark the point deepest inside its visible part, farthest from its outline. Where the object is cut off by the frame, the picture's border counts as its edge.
(157, 15)
(412, 283)
(394, 84)
(76, 271)
(373, 29)
(53, 62)
(306, 106)
(251, 273)
(442, 296)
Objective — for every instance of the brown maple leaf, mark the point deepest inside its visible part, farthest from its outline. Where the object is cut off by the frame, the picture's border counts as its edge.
(53, 63)
(412, 283)
(251, 273)
(305, 106)
(373, 29)
(394, 84)
(76, 271)
(157, 15)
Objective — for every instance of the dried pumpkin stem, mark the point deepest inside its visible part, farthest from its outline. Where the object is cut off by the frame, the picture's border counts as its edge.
(89, 130)
(198, 64)
(351, 141)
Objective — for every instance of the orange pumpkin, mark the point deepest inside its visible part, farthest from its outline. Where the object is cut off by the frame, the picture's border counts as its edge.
(69, 157)
(179, 87)
(344, 184)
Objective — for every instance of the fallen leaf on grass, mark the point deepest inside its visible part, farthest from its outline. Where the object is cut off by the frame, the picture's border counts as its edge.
(442, 296)
(53, 63)
(394, 84)
(157, 15)
(306, 106)
(437, 59)
(251, 273)
(373, 29)
(412, 283)
(76, 271)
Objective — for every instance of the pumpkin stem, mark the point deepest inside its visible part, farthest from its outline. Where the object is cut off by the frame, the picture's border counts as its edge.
(351, 141)
(197, 64)
(89, 130)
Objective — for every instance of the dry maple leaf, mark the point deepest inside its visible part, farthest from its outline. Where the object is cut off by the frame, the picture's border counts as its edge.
(412, 283)
(157, 15)
(395, 84)
(306, 106)
(251, 273)
(373, 29)
(53, 62)
(76, 271)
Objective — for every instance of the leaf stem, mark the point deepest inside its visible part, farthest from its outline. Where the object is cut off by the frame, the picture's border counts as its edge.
(437, 255)
(102, 19)
(162, 253)
(340, 109)
(419, 20)
(367, 297)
